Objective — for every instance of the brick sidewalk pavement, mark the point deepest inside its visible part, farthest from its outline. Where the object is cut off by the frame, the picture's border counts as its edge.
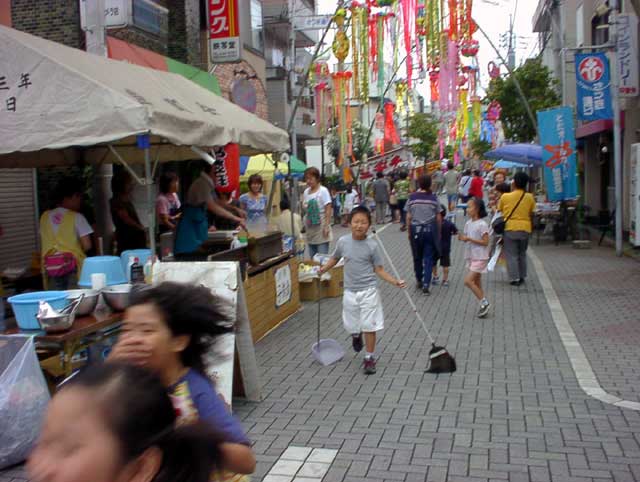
(513, 411)
(599, 294)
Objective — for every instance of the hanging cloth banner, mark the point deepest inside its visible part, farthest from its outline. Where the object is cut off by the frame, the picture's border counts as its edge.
(557, 136)
(593, 80)
(390, 132)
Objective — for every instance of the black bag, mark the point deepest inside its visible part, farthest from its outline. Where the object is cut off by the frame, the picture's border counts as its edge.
(499, 224)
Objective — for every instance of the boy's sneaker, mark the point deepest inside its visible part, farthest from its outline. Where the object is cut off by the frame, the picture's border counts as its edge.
(484, 309)
(425, 290)
(445, 283)
(369, 366)
(356, 342)
(435, 280)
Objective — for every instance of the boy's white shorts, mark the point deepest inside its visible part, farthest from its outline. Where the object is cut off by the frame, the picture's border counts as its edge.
(362, 311)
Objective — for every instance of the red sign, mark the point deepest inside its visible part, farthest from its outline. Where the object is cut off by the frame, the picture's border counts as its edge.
(591, 69)
(223, 19)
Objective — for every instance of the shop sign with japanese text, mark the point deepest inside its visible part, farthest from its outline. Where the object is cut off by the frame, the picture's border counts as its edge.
(593, 87)
(557, 137)
(224, 31)
(627, 54)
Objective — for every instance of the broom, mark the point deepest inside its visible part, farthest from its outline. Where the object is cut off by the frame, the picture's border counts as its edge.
(440, 360)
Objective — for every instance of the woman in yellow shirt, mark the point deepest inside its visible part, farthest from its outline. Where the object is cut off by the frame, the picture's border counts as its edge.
(517, 208)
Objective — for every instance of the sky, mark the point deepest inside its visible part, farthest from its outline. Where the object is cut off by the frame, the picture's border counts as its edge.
(493, 18)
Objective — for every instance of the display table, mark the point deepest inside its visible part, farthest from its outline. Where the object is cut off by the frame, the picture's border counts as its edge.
(272, 293)
(85, 331)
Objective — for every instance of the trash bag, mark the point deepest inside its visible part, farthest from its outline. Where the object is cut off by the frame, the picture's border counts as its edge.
(23, 398)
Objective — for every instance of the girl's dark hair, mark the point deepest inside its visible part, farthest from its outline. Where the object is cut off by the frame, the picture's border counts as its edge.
(503, 187)
(165, 181)
(136, 408)
(403, 174)
(360, 210)
(188, 310)
(482, 209)
(119, 182)
(284, 203)
(424, 182)
(255, 179)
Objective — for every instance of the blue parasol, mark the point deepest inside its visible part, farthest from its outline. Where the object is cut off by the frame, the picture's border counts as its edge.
(529, 154)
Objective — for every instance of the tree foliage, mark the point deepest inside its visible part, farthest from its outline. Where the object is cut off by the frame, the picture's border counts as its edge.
(479, 147)
(360, 143)
(539, 89)
(423, 128)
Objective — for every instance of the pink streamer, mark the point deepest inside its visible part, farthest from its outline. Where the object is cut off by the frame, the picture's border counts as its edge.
(409, 20)
(448, 101)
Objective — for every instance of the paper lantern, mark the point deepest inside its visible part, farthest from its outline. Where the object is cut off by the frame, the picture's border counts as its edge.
(227, 167)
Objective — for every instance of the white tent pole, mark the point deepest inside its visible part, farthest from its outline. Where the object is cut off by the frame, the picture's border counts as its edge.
(150, 206)
(126, 166)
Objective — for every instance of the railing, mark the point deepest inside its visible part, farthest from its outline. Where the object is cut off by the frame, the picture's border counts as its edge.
(151, 17)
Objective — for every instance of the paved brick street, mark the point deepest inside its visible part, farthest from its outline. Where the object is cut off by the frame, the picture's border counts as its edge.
(513, 411)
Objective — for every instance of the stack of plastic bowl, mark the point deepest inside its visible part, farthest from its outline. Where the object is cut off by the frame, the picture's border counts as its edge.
(141, 254)
(25, 306)
(109, 265)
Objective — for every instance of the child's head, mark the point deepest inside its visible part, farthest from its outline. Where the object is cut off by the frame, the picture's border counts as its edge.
(476, 208)
(503, 188)
(177, 322)
(284, 203)
(116, 422)
(360, 221)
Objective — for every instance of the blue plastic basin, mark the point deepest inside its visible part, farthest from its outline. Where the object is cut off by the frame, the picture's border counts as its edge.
(109, 265)
(25, 306)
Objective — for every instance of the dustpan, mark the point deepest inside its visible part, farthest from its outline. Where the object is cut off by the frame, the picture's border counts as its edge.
(326, 351)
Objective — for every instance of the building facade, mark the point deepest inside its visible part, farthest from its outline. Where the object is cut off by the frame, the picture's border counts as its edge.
(563, 27)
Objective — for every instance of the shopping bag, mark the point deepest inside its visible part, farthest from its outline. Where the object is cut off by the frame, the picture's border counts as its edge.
(491, 266)
(23, 398)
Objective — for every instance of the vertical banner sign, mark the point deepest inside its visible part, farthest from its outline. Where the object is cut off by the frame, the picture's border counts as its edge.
(593, 86)
(627, 54)
(224, 33)
(557, 136)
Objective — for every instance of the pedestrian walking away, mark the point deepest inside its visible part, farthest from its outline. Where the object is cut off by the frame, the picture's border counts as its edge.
(451, 186)
(447, 231)
(361, 304)
(381, 193)
(402, 192)
(518, 208)
(424, 220)
(465, 185)
(476, 237)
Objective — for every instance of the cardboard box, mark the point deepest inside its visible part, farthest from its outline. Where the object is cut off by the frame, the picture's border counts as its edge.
(314, 289)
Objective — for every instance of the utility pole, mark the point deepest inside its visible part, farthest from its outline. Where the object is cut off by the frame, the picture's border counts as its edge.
(292, 78)
(617, 132)
(95, 37)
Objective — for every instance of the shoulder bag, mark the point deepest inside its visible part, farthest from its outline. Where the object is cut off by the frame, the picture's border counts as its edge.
(499, 224)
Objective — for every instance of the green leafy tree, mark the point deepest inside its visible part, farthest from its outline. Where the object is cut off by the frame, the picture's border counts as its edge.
(424, 129)
(540, 90)
(360, 143)
(479, 147)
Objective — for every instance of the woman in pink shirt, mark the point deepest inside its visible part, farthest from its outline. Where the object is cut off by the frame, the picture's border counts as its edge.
(168, 203)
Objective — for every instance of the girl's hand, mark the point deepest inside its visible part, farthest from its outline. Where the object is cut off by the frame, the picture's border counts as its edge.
(462, 237)
(130, 350)
(400, 283)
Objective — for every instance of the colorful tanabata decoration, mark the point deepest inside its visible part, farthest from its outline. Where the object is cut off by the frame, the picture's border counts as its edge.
(340, 44)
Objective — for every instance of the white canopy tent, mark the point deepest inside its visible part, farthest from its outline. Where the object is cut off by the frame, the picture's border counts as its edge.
(61, 106)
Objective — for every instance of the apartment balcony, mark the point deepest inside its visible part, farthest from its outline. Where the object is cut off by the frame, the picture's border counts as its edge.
(277, 23)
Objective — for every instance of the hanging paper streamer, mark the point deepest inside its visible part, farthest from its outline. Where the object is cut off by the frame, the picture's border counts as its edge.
(390, 132)
(340, 44)
(401, 93)
(408, 17)
(342, 115)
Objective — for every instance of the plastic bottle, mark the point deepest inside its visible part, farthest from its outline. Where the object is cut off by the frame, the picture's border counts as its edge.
(137, 272)
(236, 242)
(148, 270)
(243, 238)
(132, 260)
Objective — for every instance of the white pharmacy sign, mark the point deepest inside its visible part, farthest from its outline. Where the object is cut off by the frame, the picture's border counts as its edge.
(312, 22)
(627, 55)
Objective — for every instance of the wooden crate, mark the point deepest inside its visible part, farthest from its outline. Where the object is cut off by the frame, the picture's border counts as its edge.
(260, 292)
(316, 289)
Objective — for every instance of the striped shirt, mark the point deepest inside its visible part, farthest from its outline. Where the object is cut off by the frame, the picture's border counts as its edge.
(423, 207)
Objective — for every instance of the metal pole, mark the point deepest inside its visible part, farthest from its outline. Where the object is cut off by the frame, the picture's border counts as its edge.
(617, 133)
(292, 83)
(322, 158)
(150, 206)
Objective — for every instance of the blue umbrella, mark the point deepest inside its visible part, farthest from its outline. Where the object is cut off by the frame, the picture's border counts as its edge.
(502, 164)
(520, 153)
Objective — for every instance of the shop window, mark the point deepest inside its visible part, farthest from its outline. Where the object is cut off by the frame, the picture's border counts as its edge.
(600, 29)
(257, 35)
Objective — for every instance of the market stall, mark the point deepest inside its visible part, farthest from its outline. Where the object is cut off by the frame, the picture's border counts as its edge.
(62, 106)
